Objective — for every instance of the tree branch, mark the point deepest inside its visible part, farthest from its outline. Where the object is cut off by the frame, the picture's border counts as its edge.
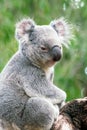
(73, 116)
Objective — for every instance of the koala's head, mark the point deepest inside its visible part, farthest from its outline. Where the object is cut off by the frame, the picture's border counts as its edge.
(42, 45)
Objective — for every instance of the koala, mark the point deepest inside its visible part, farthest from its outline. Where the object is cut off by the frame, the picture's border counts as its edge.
(28, 98)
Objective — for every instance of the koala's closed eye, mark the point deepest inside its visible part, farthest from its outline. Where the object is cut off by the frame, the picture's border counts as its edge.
(44, 48)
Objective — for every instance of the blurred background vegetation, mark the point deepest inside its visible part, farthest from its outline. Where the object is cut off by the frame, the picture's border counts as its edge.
(71, 72)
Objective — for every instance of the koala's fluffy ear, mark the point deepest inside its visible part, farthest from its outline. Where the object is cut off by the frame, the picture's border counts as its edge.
(23, 28)
(64, 30)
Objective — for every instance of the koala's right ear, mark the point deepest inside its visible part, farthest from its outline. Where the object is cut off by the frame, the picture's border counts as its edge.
(24, 27)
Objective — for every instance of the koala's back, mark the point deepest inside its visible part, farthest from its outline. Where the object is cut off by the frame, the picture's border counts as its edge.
(12, 103)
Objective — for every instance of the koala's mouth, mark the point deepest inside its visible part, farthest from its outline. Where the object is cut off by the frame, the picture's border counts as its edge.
(50, 63)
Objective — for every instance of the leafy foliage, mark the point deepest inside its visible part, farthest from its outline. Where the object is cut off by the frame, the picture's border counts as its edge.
(71, 72)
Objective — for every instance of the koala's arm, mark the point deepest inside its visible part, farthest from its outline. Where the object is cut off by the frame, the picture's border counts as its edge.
(54, 94)
(39, 85)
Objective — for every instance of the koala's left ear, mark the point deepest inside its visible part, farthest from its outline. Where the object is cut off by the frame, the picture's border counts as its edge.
(63, 29)
(23, 28)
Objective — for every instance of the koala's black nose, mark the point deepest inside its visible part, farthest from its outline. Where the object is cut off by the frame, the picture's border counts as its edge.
(56, 53)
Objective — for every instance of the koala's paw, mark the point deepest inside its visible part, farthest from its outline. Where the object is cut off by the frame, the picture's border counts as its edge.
(40, 113)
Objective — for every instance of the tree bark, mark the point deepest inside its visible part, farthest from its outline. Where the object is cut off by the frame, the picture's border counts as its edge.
(73, 116)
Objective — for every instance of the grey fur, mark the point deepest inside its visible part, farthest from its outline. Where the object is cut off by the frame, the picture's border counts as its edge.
(28, 98)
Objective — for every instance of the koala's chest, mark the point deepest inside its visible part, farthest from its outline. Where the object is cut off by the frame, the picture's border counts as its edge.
(50, 74)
